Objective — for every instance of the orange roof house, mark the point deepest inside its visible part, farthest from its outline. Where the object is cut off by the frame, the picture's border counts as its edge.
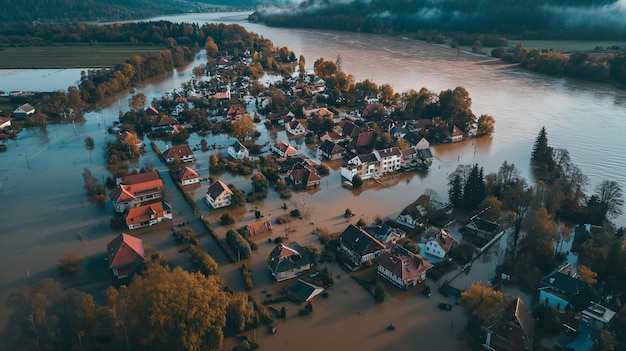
(147, 215)
(402, 267)
(188, 176)
(124, 254)
(133, 195)
(138, 178)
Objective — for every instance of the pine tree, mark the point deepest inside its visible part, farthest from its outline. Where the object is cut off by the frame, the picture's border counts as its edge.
(455, 191)
(541, 151)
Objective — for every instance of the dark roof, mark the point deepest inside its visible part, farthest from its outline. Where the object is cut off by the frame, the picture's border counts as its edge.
(330, 148)
(413, 138)
(285, 257)
(367, 158)
(217, 188)
(404, 264)
(238, 146)
(483, 225)
(304, 291)
(359, 241)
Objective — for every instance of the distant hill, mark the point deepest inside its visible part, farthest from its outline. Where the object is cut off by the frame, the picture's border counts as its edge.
(540, 19)
(107, 10)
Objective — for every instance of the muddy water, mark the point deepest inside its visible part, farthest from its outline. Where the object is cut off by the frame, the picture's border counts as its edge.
(44, 212)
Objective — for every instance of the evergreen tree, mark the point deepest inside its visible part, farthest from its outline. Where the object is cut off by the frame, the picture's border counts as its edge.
(474, 191)
(455, 191)
(542, 153)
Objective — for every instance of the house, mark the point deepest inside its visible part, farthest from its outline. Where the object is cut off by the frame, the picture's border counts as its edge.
(592, 321)
(162, 122)
(517, 331)
(402, 267)
(365, 166)
(178, 109)
(287, 261)
(218, 195)
(24, 110)
(5, 122)
(410, 158)
(417, 124)
(347, 129)
(362, 143)
(304, 175)
(147, 215)
(440, 244)
(237, 151)
(295, 128)
(284, 149)
(152, 112)
(138, 178)
(564, 290)
(359, 246)
(416, 140)
(235, 111)
(333, 137)
(481, 228)
(385, 233)
(415, 213)
(188, 176)
(126, 196)
(331, 151)
(125, 253)
(181, 152)
(390, 159)
(258, 228)
(304, 291)
(456, 134)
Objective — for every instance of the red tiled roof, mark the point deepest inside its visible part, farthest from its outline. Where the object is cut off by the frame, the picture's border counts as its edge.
(404, 264)
(188, 173)
(152, 111)
(259, 227)
(124, 250)
(143, 213)
(138, 178)
(444, 240)
(179, 150)
(129, 192)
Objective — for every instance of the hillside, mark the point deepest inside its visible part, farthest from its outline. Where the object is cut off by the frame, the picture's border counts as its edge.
(545, 19)
(106, 10)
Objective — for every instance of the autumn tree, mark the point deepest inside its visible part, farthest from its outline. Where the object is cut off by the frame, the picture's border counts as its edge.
(173, 310)
(485, 303)
(89, 145)
(587, 274)
(486, 125)
(240, 313)
(137, 102)
(259, 182)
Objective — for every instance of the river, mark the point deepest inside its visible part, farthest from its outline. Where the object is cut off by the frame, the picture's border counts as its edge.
(44, 213)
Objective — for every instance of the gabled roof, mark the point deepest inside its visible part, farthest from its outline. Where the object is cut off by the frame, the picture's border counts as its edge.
(138, 178)
(179, 150)
(360, 241)
(258, 227)
(236, 110)
(25, 108)
(129, 192)
(301, 173)
(124, 250)
(188, 173)
(413, 138)
(143, 213)
(285, 147)
(368, 158)
(425, 154)
(216, 189)
(151, 111)
(455, 131)
(349, 128)
(525, 320)
(403, 263)
(304, 291)
(444, 240)
(329, 148)
(389, 152)
(237, 146)
(166, 121)
(482, 225)
(285, 257)
(568, 284)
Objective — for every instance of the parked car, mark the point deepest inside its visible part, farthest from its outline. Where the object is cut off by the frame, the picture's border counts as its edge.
(445, 306)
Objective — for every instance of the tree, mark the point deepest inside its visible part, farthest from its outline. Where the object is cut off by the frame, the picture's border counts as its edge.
(542, 153)
(259, 182)
(227, 219)
(455, 190)
(173, 310)
(485, 303)
(611, 198)
(68, 263)
(137, 102)
(357, 182)
(587, 274)
(474, 190)
(301, 64)
(379, 292)
(89, 144)
(239, 313)
(244, 128)
(211, 48)
(486, 125)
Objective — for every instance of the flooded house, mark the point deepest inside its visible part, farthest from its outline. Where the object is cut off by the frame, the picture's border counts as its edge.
(288, 261)
(180, 152)
(402, 267)
(440, 244)
(188, 176)
(136, 191)
(359, 246)
(148, 215)
(218, 195)
(125, 253)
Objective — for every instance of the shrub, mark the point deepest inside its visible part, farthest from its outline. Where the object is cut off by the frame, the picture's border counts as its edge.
(203, 261)
(68, 264)
(246, 274)
(186, 236)
(238, 244)
(357, 182)
(227, 219)
(379, 292)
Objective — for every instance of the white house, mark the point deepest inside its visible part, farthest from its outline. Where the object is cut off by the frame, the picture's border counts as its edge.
(24, 110)
(295, 128)
(218, 195)
(147, 215)
(5, 122)
(390, 159)
(284, 149)
(238, 151)
(183, 152)
(188, 176)
(440, 244)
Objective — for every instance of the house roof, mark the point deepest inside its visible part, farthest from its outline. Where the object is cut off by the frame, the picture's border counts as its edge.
(237, 146)
(568, 284)
(419, 123)
(128, 192)
(598, 312)
(482, 225)
(258, 227)
(413, 138)
(124, 250)
(525, 320)
(167, 121)
(138, 178)
(236, 110)
(285, 257)
(216, 189)
(178, 150)
(304, 291)
(389, 152)
(455, 131)
(26, 108)
(444, 239)
(408, 152)
(425, 154)
(285, 147)
(349, 128)
(328, 147)
(403, 263)
(302, 173)
(152, 111)
(364, 139)
(188, 173)
(143, 213)
(360, 241)
(368, 158)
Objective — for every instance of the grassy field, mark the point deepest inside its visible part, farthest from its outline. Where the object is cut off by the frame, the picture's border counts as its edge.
(566, 45)
(69, 56)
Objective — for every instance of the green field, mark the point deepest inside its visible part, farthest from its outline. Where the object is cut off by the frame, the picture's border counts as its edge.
(566, 45)
(70, 56)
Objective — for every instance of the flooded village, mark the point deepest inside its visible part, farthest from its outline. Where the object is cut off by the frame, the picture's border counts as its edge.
(341, 216)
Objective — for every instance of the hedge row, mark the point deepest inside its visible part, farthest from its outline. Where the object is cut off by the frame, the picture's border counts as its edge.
(186, 195)
(264, 314)
(246, 274)
(227, 251)
(203, 261)
(239, 244)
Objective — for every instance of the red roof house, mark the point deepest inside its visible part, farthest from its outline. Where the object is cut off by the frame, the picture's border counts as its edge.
(124, 254)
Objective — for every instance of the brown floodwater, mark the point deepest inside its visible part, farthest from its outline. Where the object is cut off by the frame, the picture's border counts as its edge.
(44, 212)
